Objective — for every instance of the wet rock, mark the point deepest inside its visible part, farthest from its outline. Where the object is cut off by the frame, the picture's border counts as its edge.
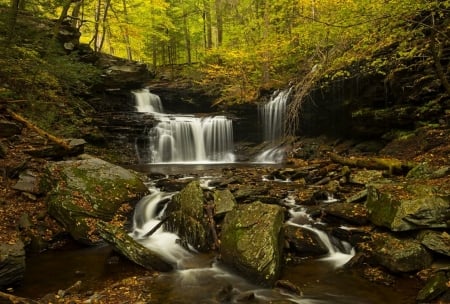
(12, 263)
(400, 255)
(436, 241)
(434, 287)
(249, 193)
(410, 206)
(127, 246)
(352, 235)
(304, 242)
(224, 202)
(350, 212)
(84, 190)
(288, 286)
(187, 217)
(252, 241)
(8, 129)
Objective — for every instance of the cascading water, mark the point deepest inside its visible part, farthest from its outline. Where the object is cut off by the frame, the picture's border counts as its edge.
(147, 102)
(273, 116)
(185, 138)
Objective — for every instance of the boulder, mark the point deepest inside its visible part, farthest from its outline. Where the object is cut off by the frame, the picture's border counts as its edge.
(436, 241)
(400, 255)
(186, 217)
(119, 73)
(434, 287)
(12, 263)
(408, 206)
(350, 212)
(84, 190)
(252, 241)
(224, 202)
(304, 242)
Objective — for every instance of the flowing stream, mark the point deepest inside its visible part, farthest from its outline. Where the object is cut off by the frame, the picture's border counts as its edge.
(202, 278)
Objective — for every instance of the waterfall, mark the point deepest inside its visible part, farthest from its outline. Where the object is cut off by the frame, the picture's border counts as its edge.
(184, 138)
(147, 101)
(273, 117)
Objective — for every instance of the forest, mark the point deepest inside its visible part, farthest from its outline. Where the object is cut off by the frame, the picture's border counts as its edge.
(362, 155)
(237, 48)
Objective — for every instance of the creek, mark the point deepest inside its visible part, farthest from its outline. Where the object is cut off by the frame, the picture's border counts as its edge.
(183, 147)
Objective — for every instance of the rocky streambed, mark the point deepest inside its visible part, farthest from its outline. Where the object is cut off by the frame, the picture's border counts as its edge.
(393, 212)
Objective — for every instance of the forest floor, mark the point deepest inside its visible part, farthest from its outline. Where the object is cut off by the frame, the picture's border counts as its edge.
(24, 215)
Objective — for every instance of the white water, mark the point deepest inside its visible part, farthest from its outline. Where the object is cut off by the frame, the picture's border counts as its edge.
(199, 278)
(335, 256)
(147, 101)
(185, 138)
(273, 117)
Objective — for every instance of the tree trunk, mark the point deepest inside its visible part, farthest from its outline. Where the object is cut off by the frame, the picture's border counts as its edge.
(187, 38)
(14, 11)
(219, 22)
(104, 24)
(61, 18)
(126, 35)
(207, 29)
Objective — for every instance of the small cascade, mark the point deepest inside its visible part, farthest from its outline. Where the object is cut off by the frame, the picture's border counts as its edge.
(183, 138)
(147, 215)
(273, 116)
(147, 102)
(339, 252)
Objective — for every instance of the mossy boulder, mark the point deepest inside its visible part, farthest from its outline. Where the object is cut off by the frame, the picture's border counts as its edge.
(187, 218)
(224, 202)
(84, 190)
(408, 206)
(252, 241)
(400, 255)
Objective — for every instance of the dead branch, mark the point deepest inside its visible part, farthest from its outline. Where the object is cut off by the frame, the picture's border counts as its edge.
(59, 141)
(15, 299)
(392, 165)
(209, 212)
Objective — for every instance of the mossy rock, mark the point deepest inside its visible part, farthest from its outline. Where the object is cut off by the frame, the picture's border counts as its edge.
(88, 189)
(252, 241)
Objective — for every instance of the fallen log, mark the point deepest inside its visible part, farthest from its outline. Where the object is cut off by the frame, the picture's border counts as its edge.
(59, 141)
(392, 165)
(15, 299)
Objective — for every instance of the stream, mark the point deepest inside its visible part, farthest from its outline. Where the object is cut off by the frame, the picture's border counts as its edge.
(183, 147)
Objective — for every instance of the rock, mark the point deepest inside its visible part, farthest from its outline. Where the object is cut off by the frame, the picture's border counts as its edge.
(127, 246)
(119, 73)
(8, 129)
(224, 202)
(410, 206)
(12, 263)
(252, 241)
(400, 255)
(85, 190)
(58, 152)
(350, 212)
(187, 217)
(433, 288)
(364, 177)
(436, 241)
(28, 182)
(304, 242)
